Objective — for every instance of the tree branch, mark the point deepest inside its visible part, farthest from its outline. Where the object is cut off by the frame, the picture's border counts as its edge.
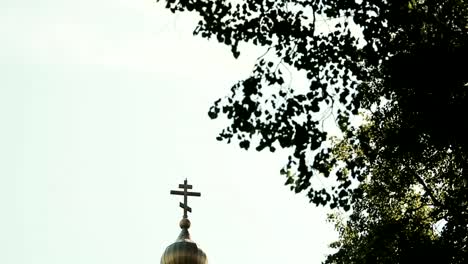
(428, 190)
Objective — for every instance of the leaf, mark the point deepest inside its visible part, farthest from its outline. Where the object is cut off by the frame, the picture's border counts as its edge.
(245, 144)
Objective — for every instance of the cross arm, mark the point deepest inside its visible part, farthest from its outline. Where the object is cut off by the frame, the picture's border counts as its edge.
(186, 193)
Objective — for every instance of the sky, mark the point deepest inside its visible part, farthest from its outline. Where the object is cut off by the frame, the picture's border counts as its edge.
(103, 111)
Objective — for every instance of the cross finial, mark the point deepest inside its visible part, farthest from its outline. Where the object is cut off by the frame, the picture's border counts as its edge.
(185, 193)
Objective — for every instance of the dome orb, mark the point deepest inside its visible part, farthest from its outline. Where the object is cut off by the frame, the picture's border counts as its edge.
(184, 223)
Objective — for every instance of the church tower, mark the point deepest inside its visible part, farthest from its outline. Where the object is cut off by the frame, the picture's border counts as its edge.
(184, 250)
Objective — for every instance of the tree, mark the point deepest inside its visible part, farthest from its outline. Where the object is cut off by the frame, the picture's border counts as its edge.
(401, 63)
(402, 201)
(386, 229)
(408, 64)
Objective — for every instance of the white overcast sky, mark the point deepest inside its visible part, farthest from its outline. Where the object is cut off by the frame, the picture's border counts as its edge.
(103, 110)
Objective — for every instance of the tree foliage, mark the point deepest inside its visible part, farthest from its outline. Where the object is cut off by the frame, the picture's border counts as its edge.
(411, 53)
(403, 200)
(401, 63)
(387, 229)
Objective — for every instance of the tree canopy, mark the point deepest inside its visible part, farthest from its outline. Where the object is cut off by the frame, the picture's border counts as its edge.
(401, 64)
(387, 229)
(408, 208)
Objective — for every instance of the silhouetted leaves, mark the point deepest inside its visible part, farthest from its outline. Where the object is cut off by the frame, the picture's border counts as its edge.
(406, 74)
(245, 144)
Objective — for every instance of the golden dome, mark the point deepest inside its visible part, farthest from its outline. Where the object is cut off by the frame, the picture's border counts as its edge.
(184, 250)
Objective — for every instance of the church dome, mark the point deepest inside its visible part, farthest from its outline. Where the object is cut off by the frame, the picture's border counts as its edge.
(184, 250)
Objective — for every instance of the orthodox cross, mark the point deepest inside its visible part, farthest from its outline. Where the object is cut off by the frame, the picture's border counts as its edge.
(185, 193)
